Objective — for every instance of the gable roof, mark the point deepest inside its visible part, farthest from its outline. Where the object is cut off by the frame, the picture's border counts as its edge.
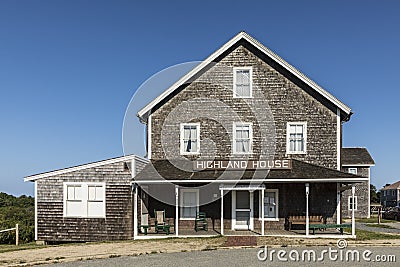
(395, 185)
(83, 167)
(353, 156)
(144, 112)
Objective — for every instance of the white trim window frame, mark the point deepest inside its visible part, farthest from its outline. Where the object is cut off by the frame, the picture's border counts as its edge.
(189, 139)
(352, 170)
(241, 126)
(294, 136)
(184, 205)
(81, 201)
(275, 204)
(350, 203)
(239, 81)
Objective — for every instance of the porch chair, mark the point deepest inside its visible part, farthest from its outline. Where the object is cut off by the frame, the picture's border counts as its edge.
(161, 223)
(144, 223)
(201, 222)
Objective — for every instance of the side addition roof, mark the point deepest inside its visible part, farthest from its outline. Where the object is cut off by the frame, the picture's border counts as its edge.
(84, 166)
(144, 112)
(356, 156)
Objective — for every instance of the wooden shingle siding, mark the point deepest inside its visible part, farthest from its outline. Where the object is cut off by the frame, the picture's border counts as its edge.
(117, 224)
(362, 193)
(287, 101)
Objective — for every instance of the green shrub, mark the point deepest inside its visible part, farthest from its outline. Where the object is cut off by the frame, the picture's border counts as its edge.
(17, 210)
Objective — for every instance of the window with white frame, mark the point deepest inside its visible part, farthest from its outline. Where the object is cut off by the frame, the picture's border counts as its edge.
(296, 137)
(271, 204)
(95, 204)
(352, 202)
(189, 199)
(84, 200)
(242, 82)
(353, 170)
(190, 138)
(74, 200)
(384, 193)
(242, 138)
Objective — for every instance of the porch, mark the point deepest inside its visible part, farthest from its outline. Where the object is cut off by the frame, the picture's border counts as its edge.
(238, 210)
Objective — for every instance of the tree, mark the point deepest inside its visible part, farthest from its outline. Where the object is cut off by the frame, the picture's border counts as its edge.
(15, 210)
(375, 196)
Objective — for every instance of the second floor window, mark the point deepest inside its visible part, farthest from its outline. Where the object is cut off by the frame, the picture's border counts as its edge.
(242, 138)
(296, 137)
(190, 138)
(242, 82)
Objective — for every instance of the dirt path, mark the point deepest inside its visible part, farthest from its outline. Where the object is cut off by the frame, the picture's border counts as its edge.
(76, 252)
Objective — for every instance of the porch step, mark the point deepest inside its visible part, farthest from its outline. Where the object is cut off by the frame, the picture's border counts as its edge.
(241, 241)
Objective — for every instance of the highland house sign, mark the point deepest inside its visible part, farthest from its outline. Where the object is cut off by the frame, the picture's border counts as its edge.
(199, 165)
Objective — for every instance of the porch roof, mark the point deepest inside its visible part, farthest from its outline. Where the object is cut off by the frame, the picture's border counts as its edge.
(180, 170)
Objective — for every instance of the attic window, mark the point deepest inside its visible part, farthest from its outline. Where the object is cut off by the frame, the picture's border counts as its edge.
(242, 82)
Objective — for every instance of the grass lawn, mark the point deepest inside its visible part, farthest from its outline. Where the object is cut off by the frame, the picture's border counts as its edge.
(6, 248)
(379, 225)
(373, 220)
(367, 235)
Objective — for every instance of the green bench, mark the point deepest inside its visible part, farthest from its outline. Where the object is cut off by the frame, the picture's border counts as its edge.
(326, 226)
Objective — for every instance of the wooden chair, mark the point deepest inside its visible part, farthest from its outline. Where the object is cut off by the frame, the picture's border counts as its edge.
(161, 223)
(144, 223)
(201, 222)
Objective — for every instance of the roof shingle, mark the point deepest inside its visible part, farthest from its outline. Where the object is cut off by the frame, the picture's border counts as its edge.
(356, 156)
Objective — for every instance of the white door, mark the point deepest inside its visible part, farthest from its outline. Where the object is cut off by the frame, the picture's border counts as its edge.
(242, 210)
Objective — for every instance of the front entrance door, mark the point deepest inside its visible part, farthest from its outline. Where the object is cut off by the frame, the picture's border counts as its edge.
(242, 210)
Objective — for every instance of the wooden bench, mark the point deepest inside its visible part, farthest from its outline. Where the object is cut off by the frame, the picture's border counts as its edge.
(326, 226)
(301, 219)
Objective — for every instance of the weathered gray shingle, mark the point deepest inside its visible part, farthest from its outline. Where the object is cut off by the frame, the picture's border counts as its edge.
(356, 156)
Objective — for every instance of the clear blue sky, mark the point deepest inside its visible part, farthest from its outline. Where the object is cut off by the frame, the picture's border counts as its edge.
(68, 69)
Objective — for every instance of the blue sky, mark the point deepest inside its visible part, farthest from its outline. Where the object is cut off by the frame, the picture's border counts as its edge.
(68, 69)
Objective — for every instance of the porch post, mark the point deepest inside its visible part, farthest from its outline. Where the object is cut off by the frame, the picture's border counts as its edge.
(307, 215)
(338, 207)
(222, 211)
(262, 211)
(135, 211)
(353, 226)
(176, 210)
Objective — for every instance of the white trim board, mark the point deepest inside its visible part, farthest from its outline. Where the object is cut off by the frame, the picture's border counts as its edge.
(357, 165)
(84, 166)
(244, 36)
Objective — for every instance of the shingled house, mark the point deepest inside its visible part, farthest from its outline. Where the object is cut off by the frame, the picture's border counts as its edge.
(390, 195)
(357, 160)
(243, 142)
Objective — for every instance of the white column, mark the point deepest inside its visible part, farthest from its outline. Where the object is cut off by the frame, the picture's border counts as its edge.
(222, 212)
(176, 210)
(338, 207)
(307, 215)
(262, 211)
(135, 211)
(353, 222)
(36, 210)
